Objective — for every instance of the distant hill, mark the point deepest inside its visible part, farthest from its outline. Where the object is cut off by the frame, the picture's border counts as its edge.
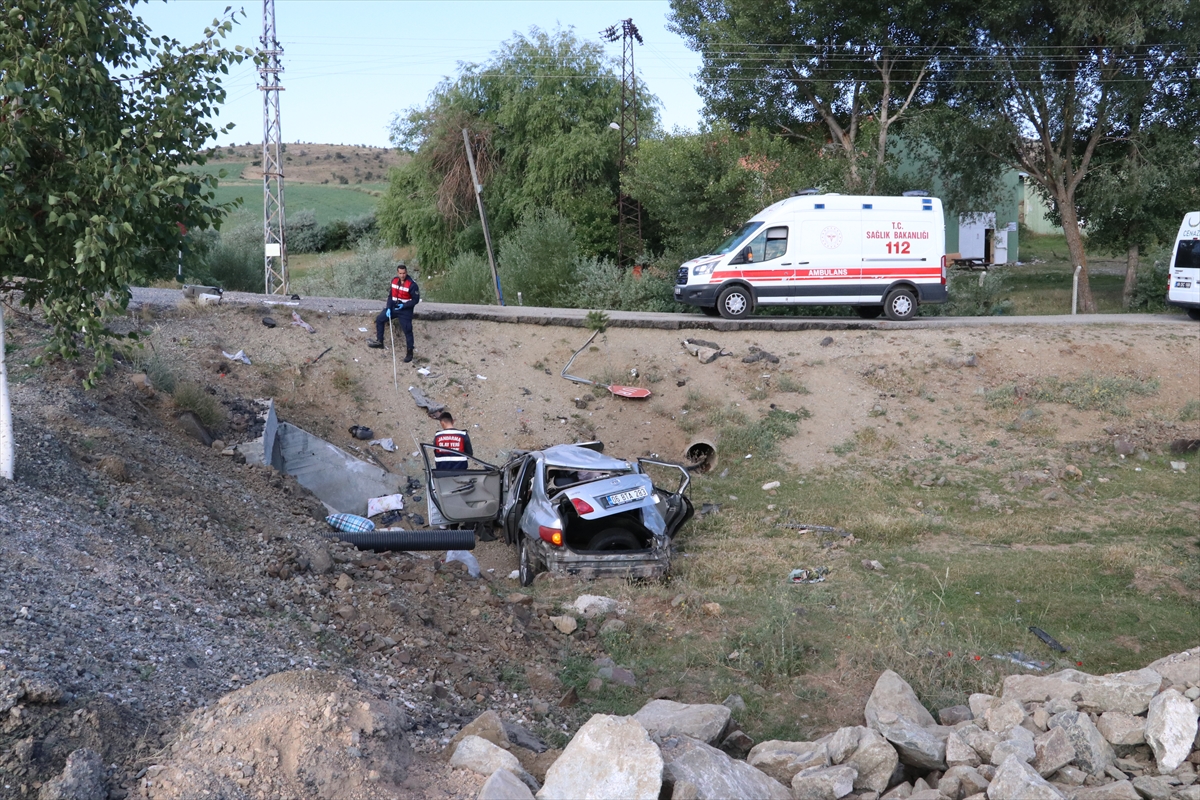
(332, 164)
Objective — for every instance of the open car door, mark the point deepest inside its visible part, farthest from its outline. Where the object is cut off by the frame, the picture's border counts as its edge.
(463, 495)
(674, 505)
(517, 490)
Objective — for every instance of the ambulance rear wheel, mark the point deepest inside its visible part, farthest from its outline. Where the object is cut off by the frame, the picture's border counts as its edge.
(710, 311)
(869, 312)
(735, 302)
(900, 305)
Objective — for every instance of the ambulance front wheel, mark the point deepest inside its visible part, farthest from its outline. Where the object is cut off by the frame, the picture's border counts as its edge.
(735, 302)
(900, 305)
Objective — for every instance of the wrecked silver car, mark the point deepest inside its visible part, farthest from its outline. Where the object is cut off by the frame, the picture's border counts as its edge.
(571, 509)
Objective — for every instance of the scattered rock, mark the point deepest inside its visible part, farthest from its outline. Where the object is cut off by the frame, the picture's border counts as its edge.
(828, 340)
(712, 609)
(1171, 729)
(81, 779)
(141, 382)
(954, 714)
(1119, 728)
(823, 783)
(1016, 780)
(667, 718)
(874, 759)
(481, 756)
(590, 605)
(487, 725)
(611, 626)
(1053, 750)
(608, 757)
(737, 745)
(782, 760)
(1092, 753)
(503, 785)
(565, 624)
(714, 775)
(894, 710)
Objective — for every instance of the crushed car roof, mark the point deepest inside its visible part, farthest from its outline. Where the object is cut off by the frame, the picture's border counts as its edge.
(575, 457)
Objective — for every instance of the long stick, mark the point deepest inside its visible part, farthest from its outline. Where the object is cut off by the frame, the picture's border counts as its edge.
(392, 331)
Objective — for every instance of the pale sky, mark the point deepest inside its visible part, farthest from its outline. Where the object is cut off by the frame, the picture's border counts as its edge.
(350, 65)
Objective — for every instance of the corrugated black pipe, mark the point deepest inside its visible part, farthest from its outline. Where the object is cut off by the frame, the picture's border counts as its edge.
(384, 541)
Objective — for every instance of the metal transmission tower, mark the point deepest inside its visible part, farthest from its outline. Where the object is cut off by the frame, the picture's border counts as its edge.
(629, 212)
(274, 246)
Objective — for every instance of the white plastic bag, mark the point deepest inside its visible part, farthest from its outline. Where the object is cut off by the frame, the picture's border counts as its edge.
(466, 557)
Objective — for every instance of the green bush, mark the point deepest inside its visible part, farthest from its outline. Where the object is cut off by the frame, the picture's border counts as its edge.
(303, 234)
(468, 279)
(538, 260)
(1150, 292)
(367, 273)
(973, 294)
(602, 284)
(234, 261)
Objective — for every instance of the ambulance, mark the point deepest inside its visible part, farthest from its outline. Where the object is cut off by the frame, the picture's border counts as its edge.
(882, 255)
(1184, 273)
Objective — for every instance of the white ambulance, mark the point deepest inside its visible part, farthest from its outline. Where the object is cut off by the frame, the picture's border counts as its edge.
(1184, 274)
(882, 255)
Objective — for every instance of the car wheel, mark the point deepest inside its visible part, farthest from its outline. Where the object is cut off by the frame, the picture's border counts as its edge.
(1194, 313)
(710, 311)
(735, 302)
(526, 566)
(868, 312)
(614, 539)
(900, 305)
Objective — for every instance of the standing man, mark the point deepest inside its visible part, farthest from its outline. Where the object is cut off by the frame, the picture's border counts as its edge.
(402, 299)
(452, 448)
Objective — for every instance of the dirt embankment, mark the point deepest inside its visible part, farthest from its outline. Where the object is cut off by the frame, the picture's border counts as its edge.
(144, 576)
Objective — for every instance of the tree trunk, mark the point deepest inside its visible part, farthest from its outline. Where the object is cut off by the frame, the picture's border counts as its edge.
(6, 429)
(1070, 223)
(1131, 268)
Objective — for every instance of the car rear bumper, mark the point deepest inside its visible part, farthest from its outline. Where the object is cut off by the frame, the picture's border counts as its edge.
(652, 563)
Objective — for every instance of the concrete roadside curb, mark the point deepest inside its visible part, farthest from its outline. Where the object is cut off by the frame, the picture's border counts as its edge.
(577, 317)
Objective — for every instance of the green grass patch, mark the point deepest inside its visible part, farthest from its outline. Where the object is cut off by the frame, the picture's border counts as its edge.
(193, 397)
(326, 202)
(1105, 393)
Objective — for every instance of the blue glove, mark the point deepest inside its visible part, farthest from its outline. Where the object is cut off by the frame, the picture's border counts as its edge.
(388, 312)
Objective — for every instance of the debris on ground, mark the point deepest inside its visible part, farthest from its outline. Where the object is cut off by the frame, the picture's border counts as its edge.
(269, 322)
(298, 320)
(1022, 660)
(758, 354)
(390, 502)
(361, 432)
(828, 340)
(466, 558)
(387, 444)
(431, 408)
(872, 564)
(707, 352)
(808, 575)
(636, 392)
(1048, 639)
(240, 355)
(350, 523)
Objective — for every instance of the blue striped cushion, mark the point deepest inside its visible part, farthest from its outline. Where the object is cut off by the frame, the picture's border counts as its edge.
(350, 523)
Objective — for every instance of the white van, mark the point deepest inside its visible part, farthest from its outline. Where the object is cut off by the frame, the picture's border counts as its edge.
(1184, 275)
(882, 255)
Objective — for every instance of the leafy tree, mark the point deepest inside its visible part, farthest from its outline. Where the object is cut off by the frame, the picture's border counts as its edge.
(1046, 87)
(697, 187)
(839, 75)
(538, 113)
(97, 120)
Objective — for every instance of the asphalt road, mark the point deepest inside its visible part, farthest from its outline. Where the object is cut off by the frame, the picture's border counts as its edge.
(576, 317)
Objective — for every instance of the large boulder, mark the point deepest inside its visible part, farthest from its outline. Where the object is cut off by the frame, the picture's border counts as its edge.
(874, 760)
(1119, 728)
(1180, 668)
(503, 785)
(711, 775)
(1017, 742)
(1053, 750)
(1016, 780)
(894, 710)
(892, 695)
(823, 783)
(81, 779)
(1171, 729)
(487, 725)
(1123, 691)
(1092, 753)
(959, 753)
(479, 755)
(609, 757)
(700, 721)
(782, 760)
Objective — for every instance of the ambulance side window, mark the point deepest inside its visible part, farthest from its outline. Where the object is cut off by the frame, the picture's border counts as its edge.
(768, 245)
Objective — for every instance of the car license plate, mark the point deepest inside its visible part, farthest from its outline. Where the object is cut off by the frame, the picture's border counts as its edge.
(621, 498)
(1183, 284)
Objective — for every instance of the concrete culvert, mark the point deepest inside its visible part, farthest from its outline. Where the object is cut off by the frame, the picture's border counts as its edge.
(700, 455)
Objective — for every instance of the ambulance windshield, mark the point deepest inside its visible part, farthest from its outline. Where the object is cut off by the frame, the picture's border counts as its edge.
(738, 237)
